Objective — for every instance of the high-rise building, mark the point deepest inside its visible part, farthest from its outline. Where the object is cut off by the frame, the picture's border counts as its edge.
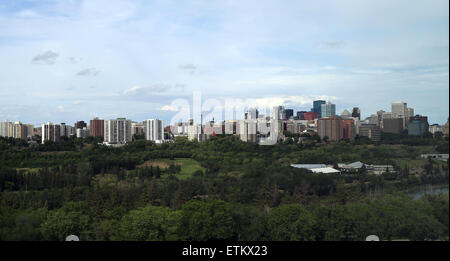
(67, 130)
(4, 128)
(400, 110)
(349, 129)
(310, 116)
(117, 131)
(331, 127)
(301, 115)
(231, 127)
(97, 127)
(154, 130)
(317, 107)
(328, 110)
(417, 127)
(30, 130)
(418, 124)
(17, 130)
(80, 125)
(289, 113)
(252, 114)
(138, 128)
(393, 125)
(372, 131)
(82, 133)
(423, 119)
(278, 113)
(51, 132)
(356, 113)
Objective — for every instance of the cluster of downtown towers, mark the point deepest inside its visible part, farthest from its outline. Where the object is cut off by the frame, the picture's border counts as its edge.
(255, 127)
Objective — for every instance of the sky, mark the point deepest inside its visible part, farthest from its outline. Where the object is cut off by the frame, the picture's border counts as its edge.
(70, 60)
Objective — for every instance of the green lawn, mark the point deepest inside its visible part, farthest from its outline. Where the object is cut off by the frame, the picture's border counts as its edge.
(188, 166)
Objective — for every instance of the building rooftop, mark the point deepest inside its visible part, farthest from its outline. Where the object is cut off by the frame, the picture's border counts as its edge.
(325, 170)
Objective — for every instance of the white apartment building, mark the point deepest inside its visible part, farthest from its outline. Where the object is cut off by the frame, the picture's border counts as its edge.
(117, 131)
(51, 132)
(154, 130)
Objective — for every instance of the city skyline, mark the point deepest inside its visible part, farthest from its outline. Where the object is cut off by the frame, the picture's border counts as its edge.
(65, 61)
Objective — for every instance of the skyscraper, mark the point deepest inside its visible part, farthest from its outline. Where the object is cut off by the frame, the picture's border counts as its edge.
(80, 124)
(51, 132)
(400, 110)
(328, 110)
(356, 113)
(331, 127)
(97, 127)
(289, 113)
(154, 130)
(317, 107)
(349, 129)
(117, 131)
(17, 130)
(4, 128)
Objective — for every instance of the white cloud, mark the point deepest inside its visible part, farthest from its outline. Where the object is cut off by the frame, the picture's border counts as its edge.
(168, 108)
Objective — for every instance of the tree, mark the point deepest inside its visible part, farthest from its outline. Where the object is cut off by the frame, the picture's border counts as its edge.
(71, 219)
(210, 220)
(151, 223)
(290, 222)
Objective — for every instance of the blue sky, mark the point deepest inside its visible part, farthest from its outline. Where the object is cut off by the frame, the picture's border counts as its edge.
(69, 60)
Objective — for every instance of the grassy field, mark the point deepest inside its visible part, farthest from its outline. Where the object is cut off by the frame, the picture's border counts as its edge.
(188, 166)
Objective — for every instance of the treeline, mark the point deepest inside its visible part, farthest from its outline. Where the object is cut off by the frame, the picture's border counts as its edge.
(390, 218)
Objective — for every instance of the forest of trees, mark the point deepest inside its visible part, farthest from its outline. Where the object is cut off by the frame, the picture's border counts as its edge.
(243, 192)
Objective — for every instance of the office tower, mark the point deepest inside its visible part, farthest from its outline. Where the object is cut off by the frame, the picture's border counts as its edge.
(4, 128)
(278, 113)
(51, 132)
(331, 127)
(311, 116)
(356, 113)
(252, 114)
(97, 127)
(419, 125)
(317, 107)
(420, 118)
(17, 130)
(400, 110)
(349, 129)
(328, 110)
(393, 125)
(80, 124)
(82, 133)
(117, 131)
(301, 115)
(154, 130)
(289, 113)
(372, 131)
(296, 126)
